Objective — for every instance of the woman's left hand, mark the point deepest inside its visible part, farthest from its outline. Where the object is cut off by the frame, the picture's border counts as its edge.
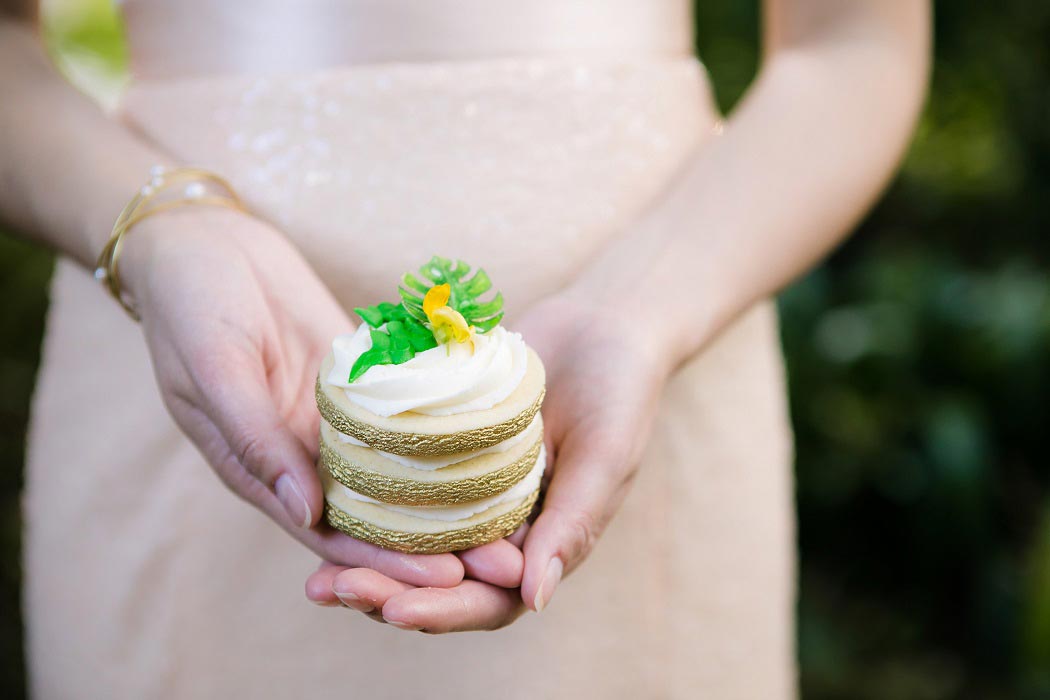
(605, 375)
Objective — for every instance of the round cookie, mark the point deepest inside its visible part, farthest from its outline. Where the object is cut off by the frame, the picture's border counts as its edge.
(371, 523)
(372, 474)
(411, 433)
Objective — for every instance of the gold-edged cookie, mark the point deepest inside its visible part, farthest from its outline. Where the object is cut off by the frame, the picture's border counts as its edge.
(411, 433)
(372, 474)
(372, 523)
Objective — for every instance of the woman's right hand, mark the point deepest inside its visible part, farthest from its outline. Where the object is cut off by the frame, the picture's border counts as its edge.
(237, 324)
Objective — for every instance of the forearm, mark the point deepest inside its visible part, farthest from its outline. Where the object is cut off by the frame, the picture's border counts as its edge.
(806, 153)
(67, 169)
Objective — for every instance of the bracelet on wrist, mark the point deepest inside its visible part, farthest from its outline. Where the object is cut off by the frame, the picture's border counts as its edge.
(167, 189)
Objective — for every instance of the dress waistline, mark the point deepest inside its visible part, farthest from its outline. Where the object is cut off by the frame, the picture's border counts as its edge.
(201, 37)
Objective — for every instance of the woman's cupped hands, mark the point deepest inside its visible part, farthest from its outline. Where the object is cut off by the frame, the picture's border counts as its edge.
(237, 322)
(604, 379)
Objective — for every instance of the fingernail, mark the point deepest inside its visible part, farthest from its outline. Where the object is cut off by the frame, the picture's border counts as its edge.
(293, 500)
(549, 583)
(354, 601)
(404, 625)
(323, 603)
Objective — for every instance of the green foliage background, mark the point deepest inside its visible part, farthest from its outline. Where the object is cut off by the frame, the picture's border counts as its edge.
(919, 364)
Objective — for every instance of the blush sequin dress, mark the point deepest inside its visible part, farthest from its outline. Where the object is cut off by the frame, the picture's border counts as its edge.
(147, 579)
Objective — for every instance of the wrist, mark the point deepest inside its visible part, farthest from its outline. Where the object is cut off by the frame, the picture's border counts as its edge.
(664, 297)
(97, 218)
(166, 236)
(600, 318)
(167, 190)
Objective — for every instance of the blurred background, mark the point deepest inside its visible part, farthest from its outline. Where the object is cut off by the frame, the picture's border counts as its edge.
(919, 367)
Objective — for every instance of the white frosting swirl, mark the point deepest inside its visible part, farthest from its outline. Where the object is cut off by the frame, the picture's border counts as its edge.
(529, 483)
(432, 463)
(442, 381)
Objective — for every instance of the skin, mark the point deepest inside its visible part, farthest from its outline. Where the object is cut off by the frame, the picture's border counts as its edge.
(804, 155)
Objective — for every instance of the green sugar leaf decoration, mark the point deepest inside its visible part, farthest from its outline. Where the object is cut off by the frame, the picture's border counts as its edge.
(466, 290)
(407, 330)
(399, 342)
(377, 315)
(372, 316)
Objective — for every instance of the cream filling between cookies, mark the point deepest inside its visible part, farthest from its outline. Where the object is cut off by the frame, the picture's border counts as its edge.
(462, 511)
(433, 463)
(442, 381)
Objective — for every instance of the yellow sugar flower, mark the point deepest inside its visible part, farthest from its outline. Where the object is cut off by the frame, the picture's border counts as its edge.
(447, 323)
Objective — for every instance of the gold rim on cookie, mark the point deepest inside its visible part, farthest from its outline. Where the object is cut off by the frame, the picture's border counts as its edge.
(443, 529)
(412, 433)
(434, 480)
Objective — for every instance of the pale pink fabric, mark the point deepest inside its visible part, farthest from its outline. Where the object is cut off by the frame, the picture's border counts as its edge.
(202, 37)
(146, 578)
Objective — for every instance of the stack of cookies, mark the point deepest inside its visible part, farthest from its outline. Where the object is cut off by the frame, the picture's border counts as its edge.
(425, 483)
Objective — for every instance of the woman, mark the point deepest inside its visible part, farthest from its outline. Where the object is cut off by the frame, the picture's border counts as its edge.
(573, 150)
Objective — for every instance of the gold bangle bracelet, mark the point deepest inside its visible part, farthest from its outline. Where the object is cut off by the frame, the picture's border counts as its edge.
(150, 200)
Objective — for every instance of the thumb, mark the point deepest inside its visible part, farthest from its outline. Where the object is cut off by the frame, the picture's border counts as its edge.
(589, 482)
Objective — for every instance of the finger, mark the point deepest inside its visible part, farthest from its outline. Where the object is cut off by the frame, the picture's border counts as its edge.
(472, 605)
(416, 569)
(518, 538)
(365, 590)
(334, 546)
(329, 544)
(319, 585)
(499, 563)
(376, 615)
(237, 399)
(588, 485)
